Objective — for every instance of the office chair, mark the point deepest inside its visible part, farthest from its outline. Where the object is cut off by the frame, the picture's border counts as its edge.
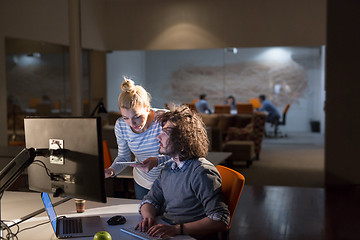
(33, 102)
(244, 108)
(222, 108)
(255, 102)
(107, 155)
(232, 186)
(279, 122)
(191, 106)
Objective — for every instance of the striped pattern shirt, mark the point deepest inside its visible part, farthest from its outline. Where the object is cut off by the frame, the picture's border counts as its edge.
(142, 145)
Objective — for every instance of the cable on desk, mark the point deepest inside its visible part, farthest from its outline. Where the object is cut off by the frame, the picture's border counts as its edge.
(10, 235)
(28, 228)
(13, 236)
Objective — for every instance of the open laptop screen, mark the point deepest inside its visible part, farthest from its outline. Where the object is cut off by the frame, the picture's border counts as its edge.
(49, 209)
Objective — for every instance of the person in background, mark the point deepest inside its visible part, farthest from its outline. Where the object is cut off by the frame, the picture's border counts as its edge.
(45, 99)
(13, 102)
(202, 106)
(266, 106)
(231, 100)
(187, 193)
(136, 132)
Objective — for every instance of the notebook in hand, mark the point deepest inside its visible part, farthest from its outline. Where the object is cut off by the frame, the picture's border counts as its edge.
(71, 227)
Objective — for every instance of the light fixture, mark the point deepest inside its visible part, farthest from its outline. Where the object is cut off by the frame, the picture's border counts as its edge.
(34, 54)
(231, 50)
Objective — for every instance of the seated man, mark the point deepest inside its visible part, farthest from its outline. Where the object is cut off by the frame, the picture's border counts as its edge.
(202, 106)
(266, 106)
(187, 192)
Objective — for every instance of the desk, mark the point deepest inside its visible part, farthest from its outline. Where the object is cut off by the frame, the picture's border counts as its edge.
(218, 157)
(17, 204)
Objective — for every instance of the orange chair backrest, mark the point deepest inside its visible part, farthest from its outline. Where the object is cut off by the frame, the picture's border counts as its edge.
(221, 108)
(107, 155)
(244, 108)
(286, 108)
(255, 102)
(33, 102)
(191, 106)
(232, 186)
(57, 105)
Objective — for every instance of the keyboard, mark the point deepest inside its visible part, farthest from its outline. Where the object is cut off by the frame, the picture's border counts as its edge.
(139, 234)
(72, 225)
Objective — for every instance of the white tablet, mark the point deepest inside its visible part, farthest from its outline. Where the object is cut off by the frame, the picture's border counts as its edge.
(126, 163)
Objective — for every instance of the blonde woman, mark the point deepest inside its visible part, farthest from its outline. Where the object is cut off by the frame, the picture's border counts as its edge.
(136, 132)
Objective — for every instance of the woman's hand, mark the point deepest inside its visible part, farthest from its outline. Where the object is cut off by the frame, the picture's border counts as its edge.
(147, 164)
(109, 172)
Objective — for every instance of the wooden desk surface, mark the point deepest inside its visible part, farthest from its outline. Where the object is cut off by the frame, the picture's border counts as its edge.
(218, 157)
(15, 205)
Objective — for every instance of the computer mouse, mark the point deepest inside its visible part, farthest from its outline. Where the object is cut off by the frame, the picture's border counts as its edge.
(116, 220)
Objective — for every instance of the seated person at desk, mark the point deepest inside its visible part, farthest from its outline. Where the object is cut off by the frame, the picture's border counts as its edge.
(231, 101)
(272, 113)
(187, 192)
(202, 106)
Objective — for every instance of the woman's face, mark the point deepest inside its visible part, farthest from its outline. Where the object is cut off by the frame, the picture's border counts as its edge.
(136, 117)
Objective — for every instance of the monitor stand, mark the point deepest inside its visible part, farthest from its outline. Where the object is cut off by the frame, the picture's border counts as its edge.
(12, 171)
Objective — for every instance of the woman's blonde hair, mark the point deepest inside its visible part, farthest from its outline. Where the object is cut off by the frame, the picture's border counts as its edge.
(133, 95)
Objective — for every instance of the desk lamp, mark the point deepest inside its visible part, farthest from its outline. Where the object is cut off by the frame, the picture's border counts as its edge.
(99, 109)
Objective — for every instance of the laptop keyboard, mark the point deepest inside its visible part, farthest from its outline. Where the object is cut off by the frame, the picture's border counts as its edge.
(139, 234)
(72, 225)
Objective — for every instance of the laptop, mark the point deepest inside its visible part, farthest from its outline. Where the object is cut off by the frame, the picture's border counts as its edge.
(73, 226)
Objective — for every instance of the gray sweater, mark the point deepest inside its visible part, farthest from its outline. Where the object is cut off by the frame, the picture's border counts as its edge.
(189, 193)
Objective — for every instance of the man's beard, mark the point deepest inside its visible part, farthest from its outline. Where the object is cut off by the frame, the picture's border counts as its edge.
(167, 151)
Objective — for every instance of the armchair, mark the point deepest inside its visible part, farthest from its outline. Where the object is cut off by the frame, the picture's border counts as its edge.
(252, 132)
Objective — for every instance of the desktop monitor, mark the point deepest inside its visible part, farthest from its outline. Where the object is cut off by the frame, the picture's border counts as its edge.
(72, 162)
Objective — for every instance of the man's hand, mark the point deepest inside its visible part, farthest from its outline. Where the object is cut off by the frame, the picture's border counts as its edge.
(109, 172)
(145, 224)
(147, 164)
(148, 212)
(162, 230)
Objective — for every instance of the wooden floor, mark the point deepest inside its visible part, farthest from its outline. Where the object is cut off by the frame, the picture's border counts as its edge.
(291, 213)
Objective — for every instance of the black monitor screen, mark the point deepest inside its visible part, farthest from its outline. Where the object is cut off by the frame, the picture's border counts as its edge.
(74, 166)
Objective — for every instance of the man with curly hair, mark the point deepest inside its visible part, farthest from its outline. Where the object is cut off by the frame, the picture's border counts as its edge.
(187, 192)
